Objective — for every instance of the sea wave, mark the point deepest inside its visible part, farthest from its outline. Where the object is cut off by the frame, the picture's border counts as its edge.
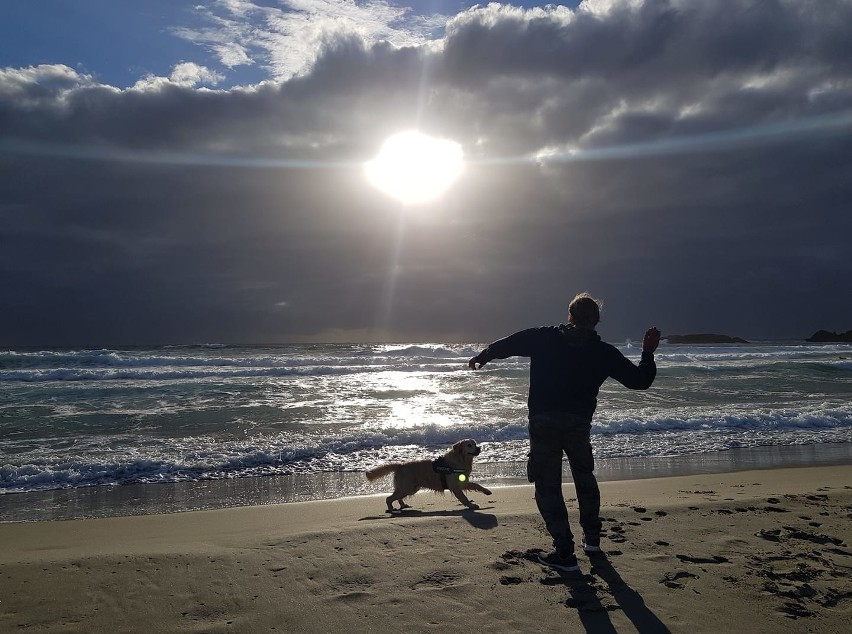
(170, 373)
(274, 356)
(97, 462)
(110, 365)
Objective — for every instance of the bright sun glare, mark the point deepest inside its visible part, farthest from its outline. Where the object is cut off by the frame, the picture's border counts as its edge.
(415, 168)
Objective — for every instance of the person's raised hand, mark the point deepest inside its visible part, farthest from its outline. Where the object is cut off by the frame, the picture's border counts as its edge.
(651, 340)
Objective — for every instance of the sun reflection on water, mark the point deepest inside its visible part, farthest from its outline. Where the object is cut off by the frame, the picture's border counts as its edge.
(414, 400)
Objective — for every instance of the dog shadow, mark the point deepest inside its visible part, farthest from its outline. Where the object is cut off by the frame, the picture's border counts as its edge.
(474, 517)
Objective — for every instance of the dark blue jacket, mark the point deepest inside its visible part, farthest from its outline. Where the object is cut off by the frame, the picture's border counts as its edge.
(568, 365)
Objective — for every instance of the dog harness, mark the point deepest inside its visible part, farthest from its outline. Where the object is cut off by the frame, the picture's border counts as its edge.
(442, 468)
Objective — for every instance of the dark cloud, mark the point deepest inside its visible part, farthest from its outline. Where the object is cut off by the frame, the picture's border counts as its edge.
(697, 176)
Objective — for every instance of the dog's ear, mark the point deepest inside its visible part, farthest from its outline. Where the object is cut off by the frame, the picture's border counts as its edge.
(457, 447)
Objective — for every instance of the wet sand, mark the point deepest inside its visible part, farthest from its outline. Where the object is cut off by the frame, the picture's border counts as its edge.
(758, 551)
(146, 499)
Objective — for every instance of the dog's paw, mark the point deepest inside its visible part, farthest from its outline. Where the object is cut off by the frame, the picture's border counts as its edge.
(473, 506)
(487, 491)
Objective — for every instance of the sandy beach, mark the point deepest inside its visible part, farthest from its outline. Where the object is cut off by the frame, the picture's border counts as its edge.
(757, 551)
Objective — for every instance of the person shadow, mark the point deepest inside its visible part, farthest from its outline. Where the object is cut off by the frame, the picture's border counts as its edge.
(594, 613)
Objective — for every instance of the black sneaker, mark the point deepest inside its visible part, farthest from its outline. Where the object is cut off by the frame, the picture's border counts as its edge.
(566, 563)
(591, 544)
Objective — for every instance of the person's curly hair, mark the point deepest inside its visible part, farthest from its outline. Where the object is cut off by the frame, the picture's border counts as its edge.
(584, 311)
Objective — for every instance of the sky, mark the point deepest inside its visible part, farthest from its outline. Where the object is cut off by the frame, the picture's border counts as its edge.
(194, 172)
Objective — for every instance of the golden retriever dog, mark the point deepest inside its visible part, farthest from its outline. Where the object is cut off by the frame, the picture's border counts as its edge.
(450, 471)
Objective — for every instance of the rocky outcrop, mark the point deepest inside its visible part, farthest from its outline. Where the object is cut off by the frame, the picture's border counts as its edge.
(824, 336)
(703, 338)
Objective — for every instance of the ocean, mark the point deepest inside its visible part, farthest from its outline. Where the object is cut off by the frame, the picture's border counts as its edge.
(212, 415)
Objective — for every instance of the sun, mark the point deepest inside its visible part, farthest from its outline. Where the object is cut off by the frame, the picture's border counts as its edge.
(415, 168)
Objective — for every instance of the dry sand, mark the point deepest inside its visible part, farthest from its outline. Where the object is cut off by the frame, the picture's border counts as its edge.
(758, 551)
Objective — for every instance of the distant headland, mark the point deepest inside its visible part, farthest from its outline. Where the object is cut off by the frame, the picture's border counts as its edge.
(820, 336)
(703, 338)
(824, 336)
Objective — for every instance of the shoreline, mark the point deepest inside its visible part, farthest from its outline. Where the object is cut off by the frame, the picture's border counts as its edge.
(699, 553)
(166, 498)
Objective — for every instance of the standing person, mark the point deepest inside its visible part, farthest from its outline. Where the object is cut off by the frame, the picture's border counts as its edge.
(568, 364)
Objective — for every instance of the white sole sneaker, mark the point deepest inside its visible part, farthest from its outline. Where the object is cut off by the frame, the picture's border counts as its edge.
(566, 564)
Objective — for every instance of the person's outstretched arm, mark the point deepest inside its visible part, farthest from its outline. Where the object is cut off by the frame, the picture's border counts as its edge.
(520, 344)
(637, 377)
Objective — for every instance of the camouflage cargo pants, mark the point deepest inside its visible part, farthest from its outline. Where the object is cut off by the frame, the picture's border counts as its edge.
(550, 436)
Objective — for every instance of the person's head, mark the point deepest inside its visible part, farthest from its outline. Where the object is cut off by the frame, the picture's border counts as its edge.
(584, 311)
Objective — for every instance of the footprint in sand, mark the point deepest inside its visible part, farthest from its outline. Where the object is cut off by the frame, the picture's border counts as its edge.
(355, 595)
(506, 580)
(773, 506)
(672, 579)
(438, 579)
(712, 559)
(773, 535)
(794, 610)
(618, 536)
(834, 596)
(813, 537)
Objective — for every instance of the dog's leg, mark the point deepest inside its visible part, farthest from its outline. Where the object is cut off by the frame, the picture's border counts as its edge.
(462, 497)
(473, 486)
(397, 496)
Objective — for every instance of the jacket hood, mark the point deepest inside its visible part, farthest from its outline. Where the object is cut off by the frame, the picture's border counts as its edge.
(575, 336)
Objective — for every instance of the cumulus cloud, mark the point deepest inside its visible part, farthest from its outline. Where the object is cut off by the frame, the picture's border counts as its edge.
(696, 65)
(185, 74)
(43, 85)
(687, 161)
(190, 74)
(286, 40)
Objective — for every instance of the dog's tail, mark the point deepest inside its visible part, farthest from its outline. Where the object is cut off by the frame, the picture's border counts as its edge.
(380, 472)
